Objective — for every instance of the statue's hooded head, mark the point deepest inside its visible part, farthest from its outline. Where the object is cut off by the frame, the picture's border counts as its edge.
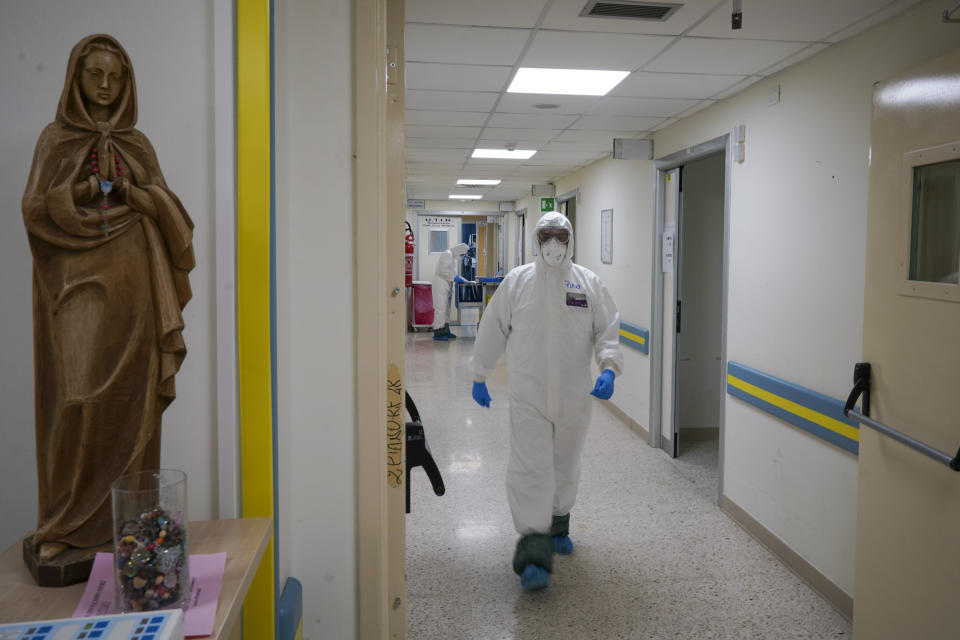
(99, 76)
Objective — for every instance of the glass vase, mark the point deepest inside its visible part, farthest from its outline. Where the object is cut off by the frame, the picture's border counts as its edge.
(150, 540)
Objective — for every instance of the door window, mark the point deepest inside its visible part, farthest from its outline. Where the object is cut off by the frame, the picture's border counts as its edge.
(935, 227)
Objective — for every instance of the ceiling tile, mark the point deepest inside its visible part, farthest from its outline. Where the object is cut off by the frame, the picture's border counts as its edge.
(592, 146)
(452, 118)
(451, 100)
(494, 13)
(423, 131)
(650, 107)
(518, 135)
(578, 50)
(440, 143)
(803, 54)
(642, 84)
(592, 136)
(888, 11)
(524, 103)
(737, 88)
(530, 121)
(445, 155)
(808, 21)
(618, 123)
(456, 77)
(701, 55)
(565, 14)
(463, 45)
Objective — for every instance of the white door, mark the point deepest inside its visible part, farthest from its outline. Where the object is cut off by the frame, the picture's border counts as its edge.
(907, 571)
(670, 247)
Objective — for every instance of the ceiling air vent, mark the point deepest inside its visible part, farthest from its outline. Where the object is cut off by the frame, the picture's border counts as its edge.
(627, 9)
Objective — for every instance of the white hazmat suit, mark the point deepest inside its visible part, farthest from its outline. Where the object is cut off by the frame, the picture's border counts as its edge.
(550, 317)
(443, 284)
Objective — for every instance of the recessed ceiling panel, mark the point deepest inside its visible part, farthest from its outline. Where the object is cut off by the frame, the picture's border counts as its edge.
(652, 107)
(494, 13)
(520, 120)
(569, 50)
(451, 100)
(673, 85)
(463, 45)
(451, 118)
(806, 21)
(455, 77)
(565, 14)
(699, 55)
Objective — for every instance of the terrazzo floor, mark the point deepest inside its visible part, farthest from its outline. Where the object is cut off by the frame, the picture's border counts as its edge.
(654, 555)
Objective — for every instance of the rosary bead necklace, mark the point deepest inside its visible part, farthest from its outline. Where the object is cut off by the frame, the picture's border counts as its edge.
(106, 186)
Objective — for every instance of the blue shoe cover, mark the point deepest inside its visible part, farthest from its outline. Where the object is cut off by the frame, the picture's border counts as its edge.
(441, 337)
(451, 336)
(534, 577)
(562, 545)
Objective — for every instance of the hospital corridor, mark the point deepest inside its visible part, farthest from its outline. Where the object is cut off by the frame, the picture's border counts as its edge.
(655, 557)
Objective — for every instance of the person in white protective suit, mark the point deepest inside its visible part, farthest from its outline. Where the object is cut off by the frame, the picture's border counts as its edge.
(550, 317)
(443, 280)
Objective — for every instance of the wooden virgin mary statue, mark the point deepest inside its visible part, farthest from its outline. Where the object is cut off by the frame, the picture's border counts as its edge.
(112, 247)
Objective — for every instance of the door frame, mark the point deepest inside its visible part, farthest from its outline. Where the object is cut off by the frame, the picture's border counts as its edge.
(661, 167)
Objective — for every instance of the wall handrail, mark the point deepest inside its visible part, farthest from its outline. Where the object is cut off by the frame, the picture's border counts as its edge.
(861, 387)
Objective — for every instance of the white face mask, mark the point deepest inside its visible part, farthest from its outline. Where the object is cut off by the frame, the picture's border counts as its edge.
(553, 252)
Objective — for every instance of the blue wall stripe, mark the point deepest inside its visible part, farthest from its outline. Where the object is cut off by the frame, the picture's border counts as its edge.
(643, 344)
(819, 411)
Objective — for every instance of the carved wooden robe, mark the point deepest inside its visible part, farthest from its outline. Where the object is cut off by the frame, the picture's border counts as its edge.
(109, 284)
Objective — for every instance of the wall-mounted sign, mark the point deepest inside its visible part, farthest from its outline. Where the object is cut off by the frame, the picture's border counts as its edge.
(606, 236)
(437, 221)
(416, 204)
(547, 204)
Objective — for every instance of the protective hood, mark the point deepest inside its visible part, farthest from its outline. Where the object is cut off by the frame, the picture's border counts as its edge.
(458, 249)
(552, 219)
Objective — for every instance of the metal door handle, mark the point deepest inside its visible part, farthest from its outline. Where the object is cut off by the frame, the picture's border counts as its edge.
(861, 387)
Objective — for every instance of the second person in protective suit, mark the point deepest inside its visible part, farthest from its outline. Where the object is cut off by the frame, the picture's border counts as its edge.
(549, 317)
(443, 281)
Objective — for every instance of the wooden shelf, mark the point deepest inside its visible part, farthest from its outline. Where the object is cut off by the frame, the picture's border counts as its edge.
(244, 541)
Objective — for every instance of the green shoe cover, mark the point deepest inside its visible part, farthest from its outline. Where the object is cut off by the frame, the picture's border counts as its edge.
(535, 549)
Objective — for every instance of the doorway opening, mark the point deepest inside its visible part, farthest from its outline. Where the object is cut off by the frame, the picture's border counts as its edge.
(689, 304)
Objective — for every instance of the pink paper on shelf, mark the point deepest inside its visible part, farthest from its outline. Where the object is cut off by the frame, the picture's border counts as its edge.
(206, 577)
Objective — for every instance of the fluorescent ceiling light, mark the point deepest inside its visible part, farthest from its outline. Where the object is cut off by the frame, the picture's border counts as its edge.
(464, 196)
(477, 182)
(514, 154)
(570, 82)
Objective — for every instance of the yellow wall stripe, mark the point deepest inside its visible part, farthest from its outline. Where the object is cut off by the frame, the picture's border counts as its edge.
(816, 417)
(253, 296)
(633, 336)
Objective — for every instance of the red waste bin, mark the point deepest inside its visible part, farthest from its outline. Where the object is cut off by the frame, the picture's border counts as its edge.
(421, 304)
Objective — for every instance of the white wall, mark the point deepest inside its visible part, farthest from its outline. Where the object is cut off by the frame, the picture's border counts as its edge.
(315, 263)
(171, 47)
(797, 242)
(626, 186)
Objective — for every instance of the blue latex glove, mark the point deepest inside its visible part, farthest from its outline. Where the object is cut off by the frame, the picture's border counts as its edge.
(604, 387)
(480, 394)
(458, 279)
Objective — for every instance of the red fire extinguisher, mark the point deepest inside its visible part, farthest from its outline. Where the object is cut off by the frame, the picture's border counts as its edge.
(408, 254)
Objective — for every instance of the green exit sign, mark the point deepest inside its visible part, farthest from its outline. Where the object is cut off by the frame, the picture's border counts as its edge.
(546, 204)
